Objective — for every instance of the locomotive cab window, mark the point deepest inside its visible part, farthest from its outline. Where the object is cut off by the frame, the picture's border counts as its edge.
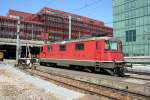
(107, 46)
(120, 45)
(62, 47)
(79, 46)
(111, 45)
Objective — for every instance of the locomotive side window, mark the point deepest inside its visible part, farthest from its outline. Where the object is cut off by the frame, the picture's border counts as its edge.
(49, 48)
(41, 49)
(79, 46)
(107, 46)
(62, 47)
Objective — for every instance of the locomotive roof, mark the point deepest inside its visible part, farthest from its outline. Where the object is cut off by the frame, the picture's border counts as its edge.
(81, 40)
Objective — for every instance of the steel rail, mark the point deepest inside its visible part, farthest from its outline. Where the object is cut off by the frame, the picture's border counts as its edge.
(109, 92)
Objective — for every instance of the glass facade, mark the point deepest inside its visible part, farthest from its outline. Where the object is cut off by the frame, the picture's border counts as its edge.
(131, 24)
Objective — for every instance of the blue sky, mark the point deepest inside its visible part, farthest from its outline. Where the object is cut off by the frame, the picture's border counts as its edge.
(98, 9)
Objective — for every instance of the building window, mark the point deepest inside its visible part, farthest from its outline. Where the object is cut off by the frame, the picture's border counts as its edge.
(130, 35)
(79, 46)
(62, 47)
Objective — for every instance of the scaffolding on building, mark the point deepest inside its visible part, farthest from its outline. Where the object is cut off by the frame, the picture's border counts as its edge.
(50, 25)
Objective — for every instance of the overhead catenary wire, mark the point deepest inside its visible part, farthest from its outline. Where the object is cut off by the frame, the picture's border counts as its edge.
(87, 5)
(106, 23)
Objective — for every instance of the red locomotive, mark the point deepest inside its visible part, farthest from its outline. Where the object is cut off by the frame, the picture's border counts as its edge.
(98, 53)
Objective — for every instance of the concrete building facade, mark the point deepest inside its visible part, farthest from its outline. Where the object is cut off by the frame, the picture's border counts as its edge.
(131, 24)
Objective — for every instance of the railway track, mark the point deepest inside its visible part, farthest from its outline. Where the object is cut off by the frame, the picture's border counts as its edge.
(130, 75)
(108, 92)
(67, 84)
(138, 76)
(139, 73)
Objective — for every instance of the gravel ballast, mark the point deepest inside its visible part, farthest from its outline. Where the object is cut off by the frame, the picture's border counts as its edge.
(17, 85)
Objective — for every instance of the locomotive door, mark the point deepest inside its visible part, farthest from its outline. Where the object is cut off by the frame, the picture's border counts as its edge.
(97, 51)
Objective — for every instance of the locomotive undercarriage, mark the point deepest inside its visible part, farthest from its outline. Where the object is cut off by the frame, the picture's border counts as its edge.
(112, 68)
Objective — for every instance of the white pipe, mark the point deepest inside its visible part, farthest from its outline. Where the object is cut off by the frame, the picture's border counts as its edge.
(69, 27)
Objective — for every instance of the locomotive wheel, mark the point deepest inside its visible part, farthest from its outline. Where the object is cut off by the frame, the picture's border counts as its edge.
(120, 72)
(115, 72)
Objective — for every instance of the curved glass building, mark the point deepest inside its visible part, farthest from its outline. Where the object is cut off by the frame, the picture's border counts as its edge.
(131, 24)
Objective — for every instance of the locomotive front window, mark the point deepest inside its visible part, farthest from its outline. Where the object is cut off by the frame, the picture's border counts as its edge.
(107, 46)
(120, 45)
(113, 45)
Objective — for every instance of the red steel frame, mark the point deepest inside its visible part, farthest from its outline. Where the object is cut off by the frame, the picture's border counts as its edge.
(50, 24)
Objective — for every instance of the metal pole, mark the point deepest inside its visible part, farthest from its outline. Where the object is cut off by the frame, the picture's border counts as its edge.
(29, 51)
(69, 27)
(79, 35)
(26, 50)
(32, 31)
(17, 42)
